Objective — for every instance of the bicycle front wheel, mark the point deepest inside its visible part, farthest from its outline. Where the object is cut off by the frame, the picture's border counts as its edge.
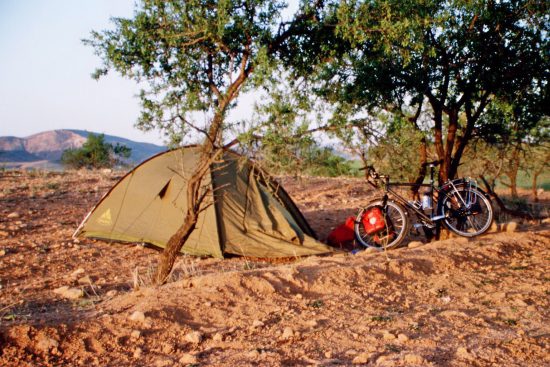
(391, 235)
(467, 211)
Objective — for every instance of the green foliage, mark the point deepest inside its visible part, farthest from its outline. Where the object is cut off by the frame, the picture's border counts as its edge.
(456, 55)
(192, 56)
(95, 153)
(396, 153)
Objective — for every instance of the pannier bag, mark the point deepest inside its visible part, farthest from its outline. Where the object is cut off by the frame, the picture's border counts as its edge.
(373, 221)
(343, 234)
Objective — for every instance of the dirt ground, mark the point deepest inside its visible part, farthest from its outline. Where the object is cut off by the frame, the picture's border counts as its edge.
(457, 302)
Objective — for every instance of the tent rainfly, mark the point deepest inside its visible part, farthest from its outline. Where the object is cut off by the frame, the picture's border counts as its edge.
(250, 215)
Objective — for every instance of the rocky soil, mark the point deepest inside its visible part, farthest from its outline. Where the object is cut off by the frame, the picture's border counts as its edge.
(456, 302)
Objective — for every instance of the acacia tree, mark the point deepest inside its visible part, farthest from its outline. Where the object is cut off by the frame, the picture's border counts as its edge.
(190, 56)
(454, 55)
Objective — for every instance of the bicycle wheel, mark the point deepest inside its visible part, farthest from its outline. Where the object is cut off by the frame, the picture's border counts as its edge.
(395, 230)
(467, 211)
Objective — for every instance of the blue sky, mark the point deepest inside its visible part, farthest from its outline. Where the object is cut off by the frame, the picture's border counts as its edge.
(45, 70)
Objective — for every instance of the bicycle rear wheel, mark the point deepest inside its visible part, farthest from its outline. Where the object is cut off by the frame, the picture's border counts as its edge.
(394, 232)
(468, 212)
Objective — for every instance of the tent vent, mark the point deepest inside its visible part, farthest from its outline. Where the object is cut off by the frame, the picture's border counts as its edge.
(164, 189)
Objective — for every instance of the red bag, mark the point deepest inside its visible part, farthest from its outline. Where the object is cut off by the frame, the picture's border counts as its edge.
(373, 220)
(342, 234)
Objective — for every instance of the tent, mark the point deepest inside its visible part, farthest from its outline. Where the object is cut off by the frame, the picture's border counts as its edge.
(250, 215)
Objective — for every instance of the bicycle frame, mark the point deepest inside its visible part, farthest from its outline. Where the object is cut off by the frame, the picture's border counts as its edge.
(448, 189)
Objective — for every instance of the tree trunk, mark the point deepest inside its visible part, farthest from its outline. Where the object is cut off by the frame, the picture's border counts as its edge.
(173, 247)
(535, 192)
(422, 170)
(195, 198)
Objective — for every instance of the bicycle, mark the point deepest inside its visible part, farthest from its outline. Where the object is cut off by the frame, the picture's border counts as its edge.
(461, 206)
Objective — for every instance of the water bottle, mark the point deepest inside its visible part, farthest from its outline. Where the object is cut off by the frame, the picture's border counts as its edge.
(426, 201)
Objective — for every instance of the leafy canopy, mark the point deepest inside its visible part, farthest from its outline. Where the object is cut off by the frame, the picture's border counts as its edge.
(192, 56)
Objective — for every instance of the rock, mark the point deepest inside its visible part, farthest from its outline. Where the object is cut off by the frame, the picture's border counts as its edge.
(415, 244)
(2, 252)
(138, 316)
(45, 343)
(194, 337)
(362, 358)
(218, 337)
(85, 280)
(69, 293)
(402, 338)
(4, 234)
(135, 334)
(187, 359)
(13, 215)
(137, 352)
(77, 272)
(388, 336)
(287, 333)
(511, 227)
(167, 348)
(351, 352)
(257, 324)
(462, 352)
(312, 323)
(253, 353)
(415, 359)
(111, 293)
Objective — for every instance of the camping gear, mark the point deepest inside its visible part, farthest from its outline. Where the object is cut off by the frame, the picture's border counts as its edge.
(343, 234)
(373, 220)
(250, 214)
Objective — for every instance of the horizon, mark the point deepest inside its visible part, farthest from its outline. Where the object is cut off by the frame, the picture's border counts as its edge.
(46, 72)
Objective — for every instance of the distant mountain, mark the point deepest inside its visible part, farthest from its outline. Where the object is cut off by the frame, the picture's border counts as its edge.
(45, 149)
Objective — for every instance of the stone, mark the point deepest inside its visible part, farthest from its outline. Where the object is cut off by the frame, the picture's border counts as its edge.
(85, 280)
(511, 227)
(111, 293)
(414, 359)
(137, 316)
(4, 234)
(69, 293)
(463, 353)
(218, 337)
(362, 358)
(287, 333)
(167, 348)
(415, 244)
(135, 334)
(194, 337)
(312, 323)
(187, 359)
(45, 343)
(2, 252)
(388, 336)
(253, 353)
(13, 215)
(77, 272)
(257, 324)
(137, 352)
(402, 338)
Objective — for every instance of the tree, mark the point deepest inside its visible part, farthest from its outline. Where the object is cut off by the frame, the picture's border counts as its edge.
(194, 56)
(456, 56)
(95, 153)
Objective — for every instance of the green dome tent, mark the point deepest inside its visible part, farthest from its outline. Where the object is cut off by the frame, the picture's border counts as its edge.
(250, 215)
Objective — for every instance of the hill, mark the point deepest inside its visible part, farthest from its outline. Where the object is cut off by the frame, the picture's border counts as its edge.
(44, 149)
